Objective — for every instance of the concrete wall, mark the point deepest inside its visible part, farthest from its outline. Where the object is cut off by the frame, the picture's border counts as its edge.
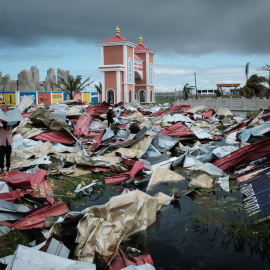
(233, 104)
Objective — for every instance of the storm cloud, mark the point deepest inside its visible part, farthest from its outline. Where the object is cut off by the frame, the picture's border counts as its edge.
(192, 27)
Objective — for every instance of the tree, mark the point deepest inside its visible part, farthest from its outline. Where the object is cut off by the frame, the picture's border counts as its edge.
(99, 88)
(267, 68)
(72, 85)
(186, 90)
(254, 86)
(219, 92)
(247, 70)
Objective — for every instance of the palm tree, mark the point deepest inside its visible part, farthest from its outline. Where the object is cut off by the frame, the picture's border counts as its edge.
(72, 85)
(247, 70)
(99, 87)
(254, 86)
(267, 68)
(186, 90)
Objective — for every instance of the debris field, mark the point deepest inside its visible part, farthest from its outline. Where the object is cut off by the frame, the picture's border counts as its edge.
(141, 149)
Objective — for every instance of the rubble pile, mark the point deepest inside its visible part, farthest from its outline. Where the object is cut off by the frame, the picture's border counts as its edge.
(140, 149)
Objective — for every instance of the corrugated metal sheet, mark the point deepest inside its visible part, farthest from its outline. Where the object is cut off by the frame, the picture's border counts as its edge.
(59, 137)
(37, 217)
(16, 179)
(245, 154)
(177, 129)
(25, 103)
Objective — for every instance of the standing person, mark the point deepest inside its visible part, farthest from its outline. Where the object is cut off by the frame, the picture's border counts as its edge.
(110, 116)
(117, 111)
(5, 148)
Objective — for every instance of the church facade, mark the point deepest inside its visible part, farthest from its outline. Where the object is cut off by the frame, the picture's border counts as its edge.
(127, 70)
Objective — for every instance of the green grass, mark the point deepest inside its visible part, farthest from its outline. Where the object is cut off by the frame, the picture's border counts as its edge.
(65, 185)
(10, 241)
(228, 217)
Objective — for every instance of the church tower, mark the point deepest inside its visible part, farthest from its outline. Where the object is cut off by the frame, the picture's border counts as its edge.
(127, 70)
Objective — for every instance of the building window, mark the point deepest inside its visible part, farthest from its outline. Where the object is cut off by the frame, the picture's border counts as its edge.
(110, 96)
(135, 96)
(142, 96)
(129, 70)
(129, 96)
(151, 96)
(151, 74)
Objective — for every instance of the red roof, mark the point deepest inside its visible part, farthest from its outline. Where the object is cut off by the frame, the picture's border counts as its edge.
(228, 84)
(137, 56)
(114, 39)
(141, 47)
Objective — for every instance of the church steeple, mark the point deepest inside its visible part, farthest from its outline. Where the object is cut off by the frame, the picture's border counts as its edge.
(117, 31)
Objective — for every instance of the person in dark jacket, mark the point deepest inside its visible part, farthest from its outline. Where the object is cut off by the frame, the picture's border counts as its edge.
(5, 141)
(110, 116)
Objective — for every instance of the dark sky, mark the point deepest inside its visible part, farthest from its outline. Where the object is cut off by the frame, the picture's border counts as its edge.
(186, 26)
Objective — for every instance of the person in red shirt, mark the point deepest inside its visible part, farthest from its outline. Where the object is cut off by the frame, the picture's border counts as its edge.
(5, 141)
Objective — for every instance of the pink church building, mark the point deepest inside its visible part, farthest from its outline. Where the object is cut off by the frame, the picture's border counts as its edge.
(127, 70)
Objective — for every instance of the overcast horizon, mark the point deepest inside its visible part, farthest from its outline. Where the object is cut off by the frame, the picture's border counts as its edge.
(213, 38)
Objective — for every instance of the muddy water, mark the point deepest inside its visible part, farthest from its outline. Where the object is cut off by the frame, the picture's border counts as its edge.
(174, 244)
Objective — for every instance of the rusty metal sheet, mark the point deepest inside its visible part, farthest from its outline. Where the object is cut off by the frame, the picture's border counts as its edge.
(37, 217)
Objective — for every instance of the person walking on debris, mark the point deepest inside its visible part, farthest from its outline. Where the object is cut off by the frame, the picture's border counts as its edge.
(117, 111)
(110, 116)
(5, 141)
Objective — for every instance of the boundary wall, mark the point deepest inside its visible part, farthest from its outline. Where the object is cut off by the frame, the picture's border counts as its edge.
(14, 98)
(233, 104)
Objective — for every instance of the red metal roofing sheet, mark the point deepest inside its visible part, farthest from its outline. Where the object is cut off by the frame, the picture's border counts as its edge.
(83, 124)
(228, 84)
(44, 188)
(55, 136)
(120, 261)
(174, 109)
(17, 179)
(245, 154)
(208, 113)
(11, 196)
(37, 218)
(177, 129)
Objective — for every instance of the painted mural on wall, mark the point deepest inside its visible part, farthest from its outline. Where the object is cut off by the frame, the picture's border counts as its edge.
(8, 98)
(14, 98)
(87, 97)
(78, 96)
(44, 97)
(57, 97)
(32, 95)
(94, 97)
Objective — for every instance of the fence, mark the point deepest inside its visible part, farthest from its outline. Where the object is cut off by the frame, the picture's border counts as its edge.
(14, 98)
(233, 104)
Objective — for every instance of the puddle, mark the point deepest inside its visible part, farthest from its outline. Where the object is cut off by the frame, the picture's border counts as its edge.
(174, 243)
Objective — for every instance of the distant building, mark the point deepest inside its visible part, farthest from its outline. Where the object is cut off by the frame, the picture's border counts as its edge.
(231, 88)
(127, 70)
(205, 92)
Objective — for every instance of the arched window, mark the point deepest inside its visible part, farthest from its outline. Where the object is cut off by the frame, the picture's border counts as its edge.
(142, 96)
(151, 74)
(110, 96)
(129, 70)
(135, 96)
(151, 96)
(129, 96)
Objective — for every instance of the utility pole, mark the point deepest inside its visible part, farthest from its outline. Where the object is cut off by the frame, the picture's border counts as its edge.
(196, 85)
